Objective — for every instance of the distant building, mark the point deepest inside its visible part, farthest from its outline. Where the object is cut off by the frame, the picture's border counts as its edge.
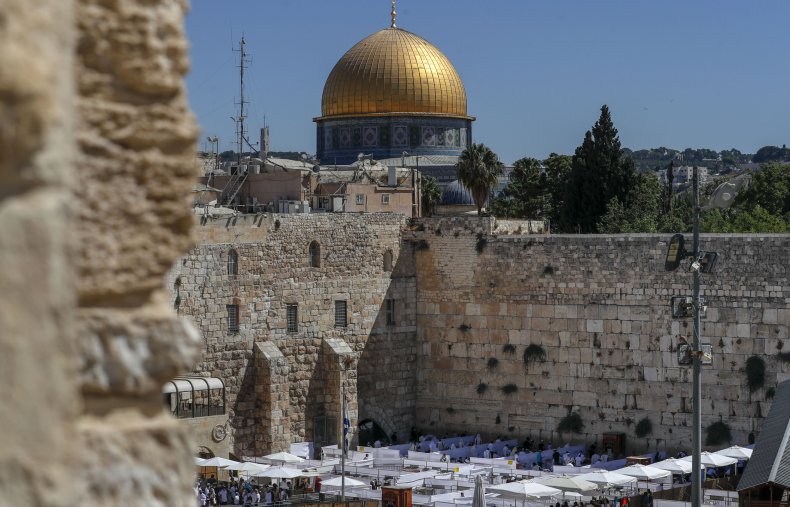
(683, 175)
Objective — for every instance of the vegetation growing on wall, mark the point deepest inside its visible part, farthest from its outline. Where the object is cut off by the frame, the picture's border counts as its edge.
(644, 427)
(481, 388)
(571, 423)
(534, 352)
(755, 373)
(492, 363)
(718, 433)
(509, 348)
(509, 388)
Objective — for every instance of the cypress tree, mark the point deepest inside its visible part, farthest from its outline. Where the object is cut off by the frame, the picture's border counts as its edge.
(599, 173)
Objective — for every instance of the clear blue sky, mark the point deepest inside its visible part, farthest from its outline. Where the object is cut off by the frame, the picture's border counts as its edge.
(676, 73)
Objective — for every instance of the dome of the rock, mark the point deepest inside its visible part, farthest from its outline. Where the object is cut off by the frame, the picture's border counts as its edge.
(393, 92)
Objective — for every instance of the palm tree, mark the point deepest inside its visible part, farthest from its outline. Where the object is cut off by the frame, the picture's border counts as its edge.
(478, 170)
(431, 193)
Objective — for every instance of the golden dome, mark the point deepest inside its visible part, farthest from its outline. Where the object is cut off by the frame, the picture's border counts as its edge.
(393, 72)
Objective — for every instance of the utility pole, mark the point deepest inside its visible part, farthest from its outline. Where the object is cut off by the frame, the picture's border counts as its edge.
(696, 436)
(240, 135)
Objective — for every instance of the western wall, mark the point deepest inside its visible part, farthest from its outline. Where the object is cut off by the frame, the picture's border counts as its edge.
(470, 296)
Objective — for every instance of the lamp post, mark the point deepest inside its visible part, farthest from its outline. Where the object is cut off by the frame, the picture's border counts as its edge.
(696, 490)
(702, 262)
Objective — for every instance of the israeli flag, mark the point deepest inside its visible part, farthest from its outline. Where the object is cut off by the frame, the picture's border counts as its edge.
(346, 426)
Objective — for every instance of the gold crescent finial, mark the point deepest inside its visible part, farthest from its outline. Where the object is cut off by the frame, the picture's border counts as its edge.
(393, 14)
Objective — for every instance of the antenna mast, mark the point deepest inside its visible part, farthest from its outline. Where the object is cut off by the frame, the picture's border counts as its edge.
(240, 132)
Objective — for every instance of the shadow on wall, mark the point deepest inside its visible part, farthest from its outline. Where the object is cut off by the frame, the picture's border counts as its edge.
(386, 368)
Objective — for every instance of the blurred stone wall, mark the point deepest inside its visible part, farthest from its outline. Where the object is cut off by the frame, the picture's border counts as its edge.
(96, 161)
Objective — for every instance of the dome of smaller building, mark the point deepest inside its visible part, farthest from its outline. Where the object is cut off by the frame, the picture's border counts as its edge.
(457, 195)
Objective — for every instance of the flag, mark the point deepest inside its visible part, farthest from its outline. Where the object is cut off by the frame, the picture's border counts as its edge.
(346, 426)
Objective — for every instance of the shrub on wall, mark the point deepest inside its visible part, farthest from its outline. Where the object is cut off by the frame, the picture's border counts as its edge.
(481, 388)
(480, 246)
(755, 373)
(534, 352)
(644, 427)
(509, 388)
(718, 433)
(571, 423)
(492, 363)
(509, 348)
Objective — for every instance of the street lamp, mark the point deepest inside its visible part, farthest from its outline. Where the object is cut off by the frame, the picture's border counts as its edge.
(702, 262)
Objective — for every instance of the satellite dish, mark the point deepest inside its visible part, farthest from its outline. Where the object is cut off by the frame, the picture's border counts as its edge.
(316, 168)
(724, 195)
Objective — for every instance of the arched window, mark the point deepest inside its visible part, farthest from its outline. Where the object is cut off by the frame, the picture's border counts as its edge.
(315, 255)
(233, 263)
(388, 260)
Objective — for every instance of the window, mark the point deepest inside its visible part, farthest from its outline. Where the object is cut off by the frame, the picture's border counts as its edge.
(233, 263)
(390, 312)
(233, 318)
(315, 255)
(388, 260)
(292, 318)
(360, 199)
(341, 314)
(385, 198)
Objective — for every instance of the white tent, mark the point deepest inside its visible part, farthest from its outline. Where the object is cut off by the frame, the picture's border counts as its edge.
(199, 461)
(736, 451)
(644, 472)
(218, 462)
(709, 460)
(607, 479)
(567, 483)
(524, 490)
(284, 457)
(248, 467)
(676, 466)
(335, 482)
(278, 473)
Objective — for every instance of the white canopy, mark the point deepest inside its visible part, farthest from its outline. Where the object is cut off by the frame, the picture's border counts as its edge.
(709, 459)
(285, 457)
(644, 472)
(278, 473)
(736, 451)
(199, 461)
(525, 490)
(676, 466)
(335, 482)
(607, 479)
(567, 483)
(218, 462)
(248, 467)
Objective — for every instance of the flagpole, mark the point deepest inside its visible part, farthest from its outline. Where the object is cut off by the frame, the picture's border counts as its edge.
(343, 444)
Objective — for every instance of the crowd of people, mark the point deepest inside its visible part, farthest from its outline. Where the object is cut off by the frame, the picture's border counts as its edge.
(238, 491)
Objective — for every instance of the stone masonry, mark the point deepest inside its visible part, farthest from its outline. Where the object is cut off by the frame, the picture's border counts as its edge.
(598, 306)
(94, 141)
(470, 296)
(279, 383)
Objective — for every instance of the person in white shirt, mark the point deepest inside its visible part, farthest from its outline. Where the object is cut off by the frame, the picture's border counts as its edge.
(268, 497)
(595, 458)
(579, 460)
(487, 454)
(478, 439)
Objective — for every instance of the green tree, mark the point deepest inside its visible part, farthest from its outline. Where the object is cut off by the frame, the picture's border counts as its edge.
(430, 195)
(526, 194)
(640, 214)
(558, 170)
(769, 189)
(599, 173)
(478, 170)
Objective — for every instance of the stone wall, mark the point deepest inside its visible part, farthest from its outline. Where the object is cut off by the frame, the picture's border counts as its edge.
(93, 211)
(599, 308)
(279, 382)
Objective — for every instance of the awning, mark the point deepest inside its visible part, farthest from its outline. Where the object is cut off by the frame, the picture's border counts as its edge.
(191, 384)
